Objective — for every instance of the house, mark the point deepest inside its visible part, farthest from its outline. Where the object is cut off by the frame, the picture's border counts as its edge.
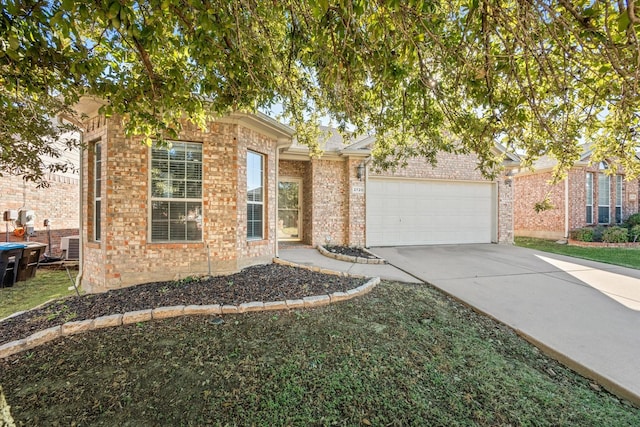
(59, 204)
(221, 199)
(592, 194)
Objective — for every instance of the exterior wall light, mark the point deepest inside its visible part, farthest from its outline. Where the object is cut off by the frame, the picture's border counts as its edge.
(360, 171)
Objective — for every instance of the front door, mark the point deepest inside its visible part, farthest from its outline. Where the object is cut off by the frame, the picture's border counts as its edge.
(289, 212)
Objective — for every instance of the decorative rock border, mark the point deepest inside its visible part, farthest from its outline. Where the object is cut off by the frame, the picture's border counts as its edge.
(132, 317)
(349, 258)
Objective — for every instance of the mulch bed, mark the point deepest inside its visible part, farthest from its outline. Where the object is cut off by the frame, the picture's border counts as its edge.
(350, 251)
(271, 282)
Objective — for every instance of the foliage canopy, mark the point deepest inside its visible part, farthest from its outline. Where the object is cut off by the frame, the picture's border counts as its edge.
(538, 76)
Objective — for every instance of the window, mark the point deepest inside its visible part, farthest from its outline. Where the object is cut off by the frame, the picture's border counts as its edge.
(255, 196)
(603, 198)
(176, 192)
(97, 191)
(618, 199)
(589, 217)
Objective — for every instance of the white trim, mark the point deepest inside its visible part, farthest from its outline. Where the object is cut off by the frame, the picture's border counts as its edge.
(587, 205)
(97, 213)
(263, 158)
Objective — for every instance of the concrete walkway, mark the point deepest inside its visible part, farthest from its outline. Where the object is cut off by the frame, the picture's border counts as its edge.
(581, 312)
(311, 256)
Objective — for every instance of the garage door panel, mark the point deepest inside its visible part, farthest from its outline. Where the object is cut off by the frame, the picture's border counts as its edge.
(429, 212)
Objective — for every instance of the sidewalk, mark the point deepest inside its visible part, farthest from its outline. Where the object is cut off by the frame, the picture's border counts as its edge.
(311, 256)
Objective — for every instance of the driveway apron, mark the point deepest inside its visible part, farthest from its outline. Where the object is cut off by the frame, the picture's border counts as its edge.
(578, 311)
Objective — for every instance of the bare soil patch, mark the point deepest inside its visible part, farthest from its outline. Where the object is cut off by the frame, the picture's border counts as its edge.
(271, 282)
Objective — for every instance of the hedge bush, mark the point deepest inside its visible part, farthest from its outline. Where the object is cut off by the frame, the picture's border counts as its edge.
(634, 233)
(633, 220)
(615, 235)
(584, 234)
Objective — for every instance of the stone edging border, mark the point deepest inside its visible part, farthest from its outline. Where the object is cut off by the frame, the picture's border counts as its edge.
(72, 328)
(349, 258)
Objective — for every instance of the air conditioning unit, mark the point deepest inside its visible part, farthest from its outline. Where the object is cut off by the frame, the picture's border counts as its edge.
(70, 245)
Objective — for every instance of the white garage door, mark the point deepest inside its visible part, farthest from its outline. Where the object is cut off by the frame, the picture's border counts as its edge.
(417, 212)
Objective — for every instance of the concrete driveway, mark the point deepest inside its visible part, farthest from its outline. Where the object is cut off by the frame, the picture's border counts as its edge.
(584, 313)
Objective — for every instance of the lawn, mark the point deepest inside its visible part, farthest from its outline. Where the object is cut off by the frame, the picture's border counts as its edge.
(46, 285)
(626, 257)
(401, 355)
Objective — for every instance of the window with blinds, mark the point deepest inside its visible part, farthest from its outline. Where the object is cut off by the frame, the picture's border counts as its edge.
(255, 196)
(176, 192)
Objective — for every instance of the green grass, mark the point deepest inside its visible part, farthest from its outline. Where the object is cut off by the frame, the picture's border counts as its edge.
(626, 257)
(46, 285)
(401, 355)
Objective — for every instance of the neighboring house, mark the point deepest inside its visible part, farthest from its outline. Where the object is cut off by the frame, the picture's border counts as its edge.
(592, 194)
(222, 198)
(59, 203)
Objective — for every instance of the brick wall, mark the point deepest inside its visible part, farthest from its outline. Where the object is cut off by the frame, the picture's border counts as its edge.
(329, 202)
(332, 208)
(59, 203)
(449, 166)
(126, 256)
(261, 251)
(357, 217)
(531, 188)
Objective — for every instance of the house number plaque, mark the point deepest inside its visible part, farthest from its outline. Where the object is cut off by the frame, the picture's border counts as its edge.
(357, 189)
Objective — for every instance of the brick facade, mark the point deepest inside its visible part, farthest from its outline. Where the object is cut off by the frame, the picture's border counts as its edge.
(59, 203)
(330, 212)
(332, 208)
(125, 254)
(531, 188)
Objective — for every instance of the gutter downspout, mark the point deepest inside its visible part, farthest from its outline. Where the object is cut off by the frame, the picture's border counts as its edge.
(566, 208)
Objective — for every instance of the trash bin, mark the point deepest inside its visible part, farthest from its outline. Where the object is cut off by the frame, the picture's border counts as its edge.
(10, 254)
(29, 261)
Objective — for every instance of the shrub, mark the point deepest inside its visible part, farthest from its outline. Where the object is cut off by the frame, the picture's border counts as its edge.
(584, 234)
(634, 233)
(598, 231)
(633, 220)
(615, 235)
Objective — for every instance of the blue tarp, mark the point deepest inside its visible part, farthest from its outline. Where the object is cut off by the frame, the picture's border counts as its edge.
(8, 246)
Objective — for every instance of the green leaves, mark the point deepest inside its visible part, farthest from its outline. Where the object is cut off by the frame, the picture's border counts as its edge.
(423, 76)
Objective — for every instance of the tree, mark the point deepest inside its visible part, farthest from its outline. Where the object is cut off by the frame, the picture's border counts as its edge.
(539, 76)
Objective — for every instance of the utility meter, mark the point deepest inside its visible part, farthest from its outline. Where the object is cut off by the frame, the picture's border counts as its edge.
(26, 217)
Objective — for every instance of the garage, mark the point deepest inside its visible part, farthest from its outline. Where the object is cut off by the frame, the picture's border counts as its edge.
(403, 212)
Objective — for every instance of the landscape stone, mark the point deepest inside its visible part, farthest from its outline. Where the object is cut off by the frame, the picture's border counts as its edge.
(316, 301)
(107, 321)
(72, 328)
(136, 316)
(167, 312)
(202, 309)
(42, 337)
(250, 306)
